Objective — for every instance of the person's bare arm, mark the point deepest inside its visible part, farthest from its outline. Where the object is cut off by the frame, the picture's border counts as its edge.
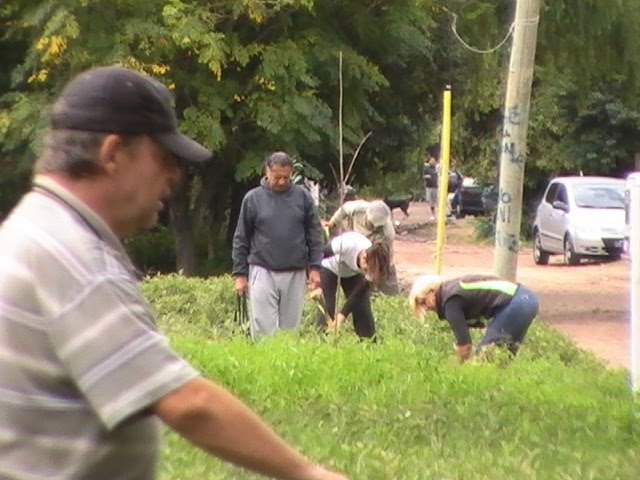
(213, 419)
(337, 217)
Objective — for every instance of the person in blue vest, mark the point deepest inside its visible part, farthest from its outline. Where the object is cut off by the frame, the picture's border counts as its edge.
(505, 308)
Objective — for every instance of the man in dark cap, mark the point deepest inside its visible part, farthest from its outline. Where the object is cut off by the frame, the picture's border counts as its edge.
(86, 375)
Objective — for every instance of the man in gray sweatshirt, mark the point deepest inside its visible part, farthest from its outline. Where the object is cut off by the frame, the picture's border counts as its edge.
(276, 246)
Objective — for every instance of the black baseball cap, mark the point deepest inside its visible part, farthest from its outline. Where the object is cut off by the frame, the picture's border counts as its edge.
(120, 100)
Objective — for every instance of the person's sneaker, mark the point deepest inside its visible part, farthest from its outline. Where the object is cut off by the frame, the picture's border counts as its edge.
(432, 219)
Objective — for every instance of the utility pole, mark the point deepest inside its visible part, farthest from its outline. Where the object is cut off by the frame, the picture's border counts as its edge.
(514, 138)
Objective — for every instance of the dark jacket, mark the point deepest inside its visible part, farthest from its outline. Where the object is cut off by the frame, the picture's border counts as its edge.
(277, 230)
(430, 175)
(465, 301)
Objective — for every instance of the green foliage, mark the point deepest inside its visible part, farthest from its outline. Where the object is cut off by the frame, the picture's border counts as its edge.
(192, 307)
(153, 251)
(395, 184)
(484, 228)
(595, 133)
(252, 76)
(403, 408)
(591, 31)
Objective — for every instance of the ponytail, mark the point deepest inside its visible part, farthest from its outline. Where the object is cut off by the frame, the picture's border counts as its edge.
(378, 261)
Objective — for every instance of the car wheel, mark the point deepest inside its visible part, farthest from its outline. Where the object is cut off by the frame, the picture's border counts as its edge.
(540, 256)
(570, 255)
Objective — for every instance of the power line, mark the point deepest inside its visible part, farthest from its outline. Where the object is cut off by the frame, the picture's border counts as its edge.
(477, 50)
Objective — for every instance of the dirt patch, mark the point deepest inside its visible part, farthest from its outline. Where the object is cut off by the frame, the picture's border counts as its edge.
(589, 303)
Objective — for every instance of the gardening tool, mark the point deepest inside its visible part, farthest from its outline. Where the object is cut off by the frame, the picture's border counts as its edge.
(241, 314)
(326, 233)
(318, 299)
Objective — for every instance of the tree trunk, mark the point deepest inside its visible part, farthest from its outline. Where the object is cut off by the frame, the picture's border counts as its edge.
(182, 228)
(238, 192)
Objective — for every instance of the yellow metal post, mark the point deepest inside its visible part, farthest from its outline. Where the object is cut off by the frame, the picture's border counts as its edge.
(443, 176)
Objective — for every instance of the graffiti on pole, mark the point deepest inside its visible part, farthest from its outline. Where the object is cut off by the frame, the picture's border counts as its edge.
(513, 116)
(506, 212)
(504, 206)
(510, 149)
(508, 241)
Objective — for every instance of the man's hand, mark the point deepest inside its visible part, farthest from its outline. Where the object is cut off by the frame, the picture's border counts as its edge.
(320, 473)
(463, 352)
(314, 279)
(241, 285)
(315, 293)
(325, 223)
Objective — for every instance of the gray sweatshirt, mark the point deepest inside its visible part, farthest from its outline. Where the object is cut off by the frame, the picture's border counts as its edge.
(277, 230)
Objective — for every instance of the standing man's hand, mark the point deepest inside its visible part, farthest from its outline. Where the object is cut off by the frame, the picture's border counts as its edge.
(314, 279)
(241, 285)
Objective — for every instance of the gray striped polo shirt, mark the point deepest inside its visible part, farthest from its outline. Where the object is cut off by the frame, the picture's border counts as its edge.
(81, 358)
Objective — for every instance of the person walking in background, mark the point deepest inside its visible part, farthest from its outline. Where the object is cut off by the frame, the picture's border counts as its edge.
(373, 220)
(277, 244)
(466, 302)
(86, 376)
(430, 175)
(349, 259)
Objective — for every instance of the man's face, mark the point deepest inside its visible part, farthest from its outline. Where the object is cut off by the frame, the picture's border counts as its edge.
(145, 179)
(278, 176)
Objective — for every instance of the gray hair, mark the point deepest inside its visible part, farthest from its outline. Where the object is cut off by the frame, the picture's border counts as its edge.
(278, 158)
(71, 152)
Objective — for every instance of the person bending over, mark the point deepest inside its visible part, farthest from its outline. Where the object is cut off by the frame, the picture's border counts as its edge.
(349, 259)
(474, 301)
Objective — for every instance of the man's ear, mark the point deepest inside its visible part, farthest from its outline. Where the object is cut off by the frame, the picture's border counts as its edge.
(109, 152)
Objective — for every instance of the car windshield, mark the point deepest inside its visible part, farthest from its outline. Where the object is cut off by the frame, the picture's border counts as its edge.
(599, 196)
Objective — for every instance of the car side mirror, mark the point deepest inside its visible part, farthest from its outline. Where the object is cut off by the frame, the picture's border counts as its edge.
(560, 205)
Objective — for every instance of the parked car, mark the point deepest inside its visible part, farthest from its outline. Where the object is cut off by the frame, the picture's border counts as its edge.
(471, 198)
(580, 217)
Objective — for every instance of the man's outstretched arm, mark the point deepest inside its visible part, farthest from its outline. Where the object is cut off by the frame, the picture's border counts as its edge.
(214, 420)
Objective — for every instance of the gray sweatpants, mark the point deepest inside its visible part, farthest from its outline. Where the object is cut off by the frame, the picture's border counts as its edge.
(275, 299)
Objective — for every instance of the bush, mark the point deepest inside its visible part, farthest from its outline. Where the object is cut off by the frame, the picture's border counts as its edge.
(153, 250)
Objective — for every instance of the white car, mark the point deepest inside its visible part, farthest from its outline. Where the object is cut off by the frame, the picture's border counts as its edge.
(580, 217)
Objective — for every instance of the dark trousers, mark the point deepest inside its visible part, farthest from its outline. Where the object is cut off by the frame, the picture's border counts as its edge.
(510, 324)
(363, 322)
